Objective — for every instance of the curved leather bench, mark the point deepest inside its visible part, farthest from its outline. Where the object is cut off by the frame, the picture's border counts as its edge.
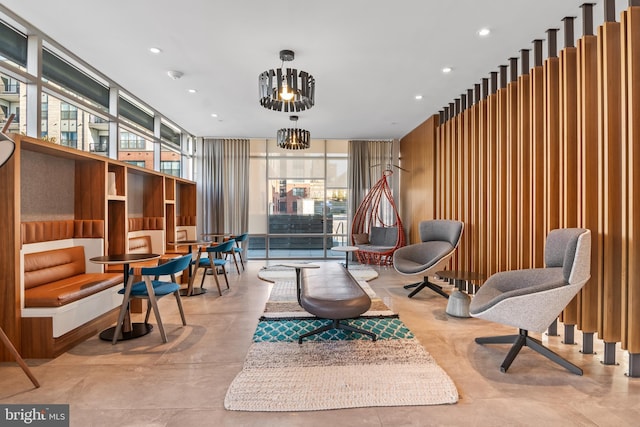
(332, 293)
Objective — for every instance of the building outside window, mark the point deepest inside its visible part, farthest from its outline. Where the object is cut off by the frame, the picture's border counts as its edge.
(131, 141)
(140, 163)
(69, 139)
(170, 167)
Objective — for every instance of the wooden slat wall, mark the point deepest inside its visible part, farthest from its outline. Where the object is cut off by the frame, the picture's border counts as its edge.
(572, 127)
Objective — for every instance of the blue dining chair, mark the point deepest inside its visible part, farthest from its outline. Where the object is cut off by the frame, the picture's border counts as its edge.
(152, 288)
(213, 261)
(238, 249)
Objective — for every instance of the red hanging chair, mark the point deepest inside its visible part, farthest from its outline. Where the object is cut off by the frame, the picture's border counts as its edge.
(375, 239)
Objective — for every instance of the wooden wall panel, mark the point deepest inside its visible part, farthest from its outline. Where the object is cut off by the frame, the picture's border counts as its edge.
(631, 90)
(589, 200)
(538, 233)
(568, 189)
(524, 172)
(418, 195)
(609, 132)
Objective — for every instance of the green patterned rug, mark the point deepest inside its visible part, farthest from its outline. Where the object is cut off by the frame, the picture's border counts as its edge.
(335, 369)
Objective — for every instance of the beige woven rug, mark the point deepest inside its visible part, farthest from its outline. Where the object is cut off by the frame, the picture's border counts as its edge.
(335, 371)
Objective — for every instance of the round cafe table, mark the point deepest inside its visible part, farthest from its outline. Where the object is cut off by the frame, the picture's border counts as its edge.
(191, 291)
(458, 304)
(129, 330)
(347, 250)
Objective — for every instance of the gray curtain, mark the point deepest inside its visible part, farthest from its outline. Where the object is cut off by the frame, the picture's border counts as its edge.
(223, 185)
(367, 160)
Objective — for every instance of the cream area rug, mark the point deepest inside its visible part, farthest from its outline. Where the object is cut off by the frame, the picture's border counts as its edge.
(336, 369)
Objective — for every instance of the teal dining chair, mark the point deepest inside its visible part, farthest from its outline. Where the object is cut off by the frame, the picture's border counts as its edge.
(238, 249)
(213, 261)
(152, 288)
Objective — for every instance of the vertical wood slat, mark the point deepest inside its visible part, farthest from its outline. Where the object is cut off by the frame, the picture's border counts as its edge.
(537, 166)
(491, 239)
(465, 190)
(524, 172)
(476, 186)
(513, 192)
(455, 178)
(501, 214)
(589, 204)
(631, 89)
(10, 315)
(552, 144)
(483, 179)
(609, 171)
(568, 190)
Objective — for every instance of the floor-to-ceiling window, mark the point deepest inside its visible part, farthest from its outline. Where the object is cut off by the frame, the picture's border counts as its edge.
(299, 208)
(75, 106)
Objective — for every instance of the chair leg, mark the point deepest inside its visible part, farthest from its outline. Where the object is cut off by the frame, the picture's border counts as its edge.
(513, 352)
(179, 301)
(204, 274)
(524, 340)
(426, 284)
(123, 310)
(156, 311)
(9, 345)
(241, 260)
(335, 324)
(536, 345)
(235, 260)
(226, 279)
(215, 276)
(146, 317)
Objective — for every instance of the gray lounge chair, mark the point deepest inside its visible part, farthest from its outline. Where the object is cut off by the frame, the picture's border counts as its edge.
(532, 299)
(440, 238)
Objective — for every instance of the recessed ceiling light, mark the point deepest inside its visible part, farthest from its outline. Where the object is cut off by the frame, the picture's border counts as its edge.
(155, 50)
(418, 97)
(214, 115)
(483, 32)
(192, 91)
(446, 70)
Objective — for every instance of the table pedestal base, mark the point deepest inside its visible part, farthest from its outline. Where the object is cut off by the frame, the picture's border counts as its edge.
(458, 304)
(137, 330)
(195, 291)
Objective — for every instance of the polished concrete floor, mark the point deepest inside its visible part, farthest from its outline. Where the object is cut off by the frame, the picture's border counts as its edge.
(182, 383)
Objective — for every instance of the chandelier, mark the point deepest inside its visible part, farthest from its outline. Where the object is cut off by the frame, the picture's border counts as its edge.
(294, 138)
(286, 89)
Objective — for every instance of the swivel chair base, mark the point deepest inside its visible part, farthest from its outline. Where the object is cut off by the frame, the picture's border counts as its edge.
(425, 284)
(335, 324)
(521, 340)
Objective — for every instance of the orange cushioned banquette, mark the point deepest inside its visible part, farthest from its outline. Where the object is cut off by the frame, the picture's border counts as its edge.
(58, 277)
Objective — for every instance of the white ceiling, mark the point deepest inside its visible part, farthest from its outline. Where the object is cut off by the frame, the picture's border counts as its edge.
(369, 57)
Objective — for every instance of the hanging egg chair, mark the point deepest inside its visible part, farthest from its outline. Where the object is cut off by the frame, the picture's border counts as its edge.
(377, 229)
